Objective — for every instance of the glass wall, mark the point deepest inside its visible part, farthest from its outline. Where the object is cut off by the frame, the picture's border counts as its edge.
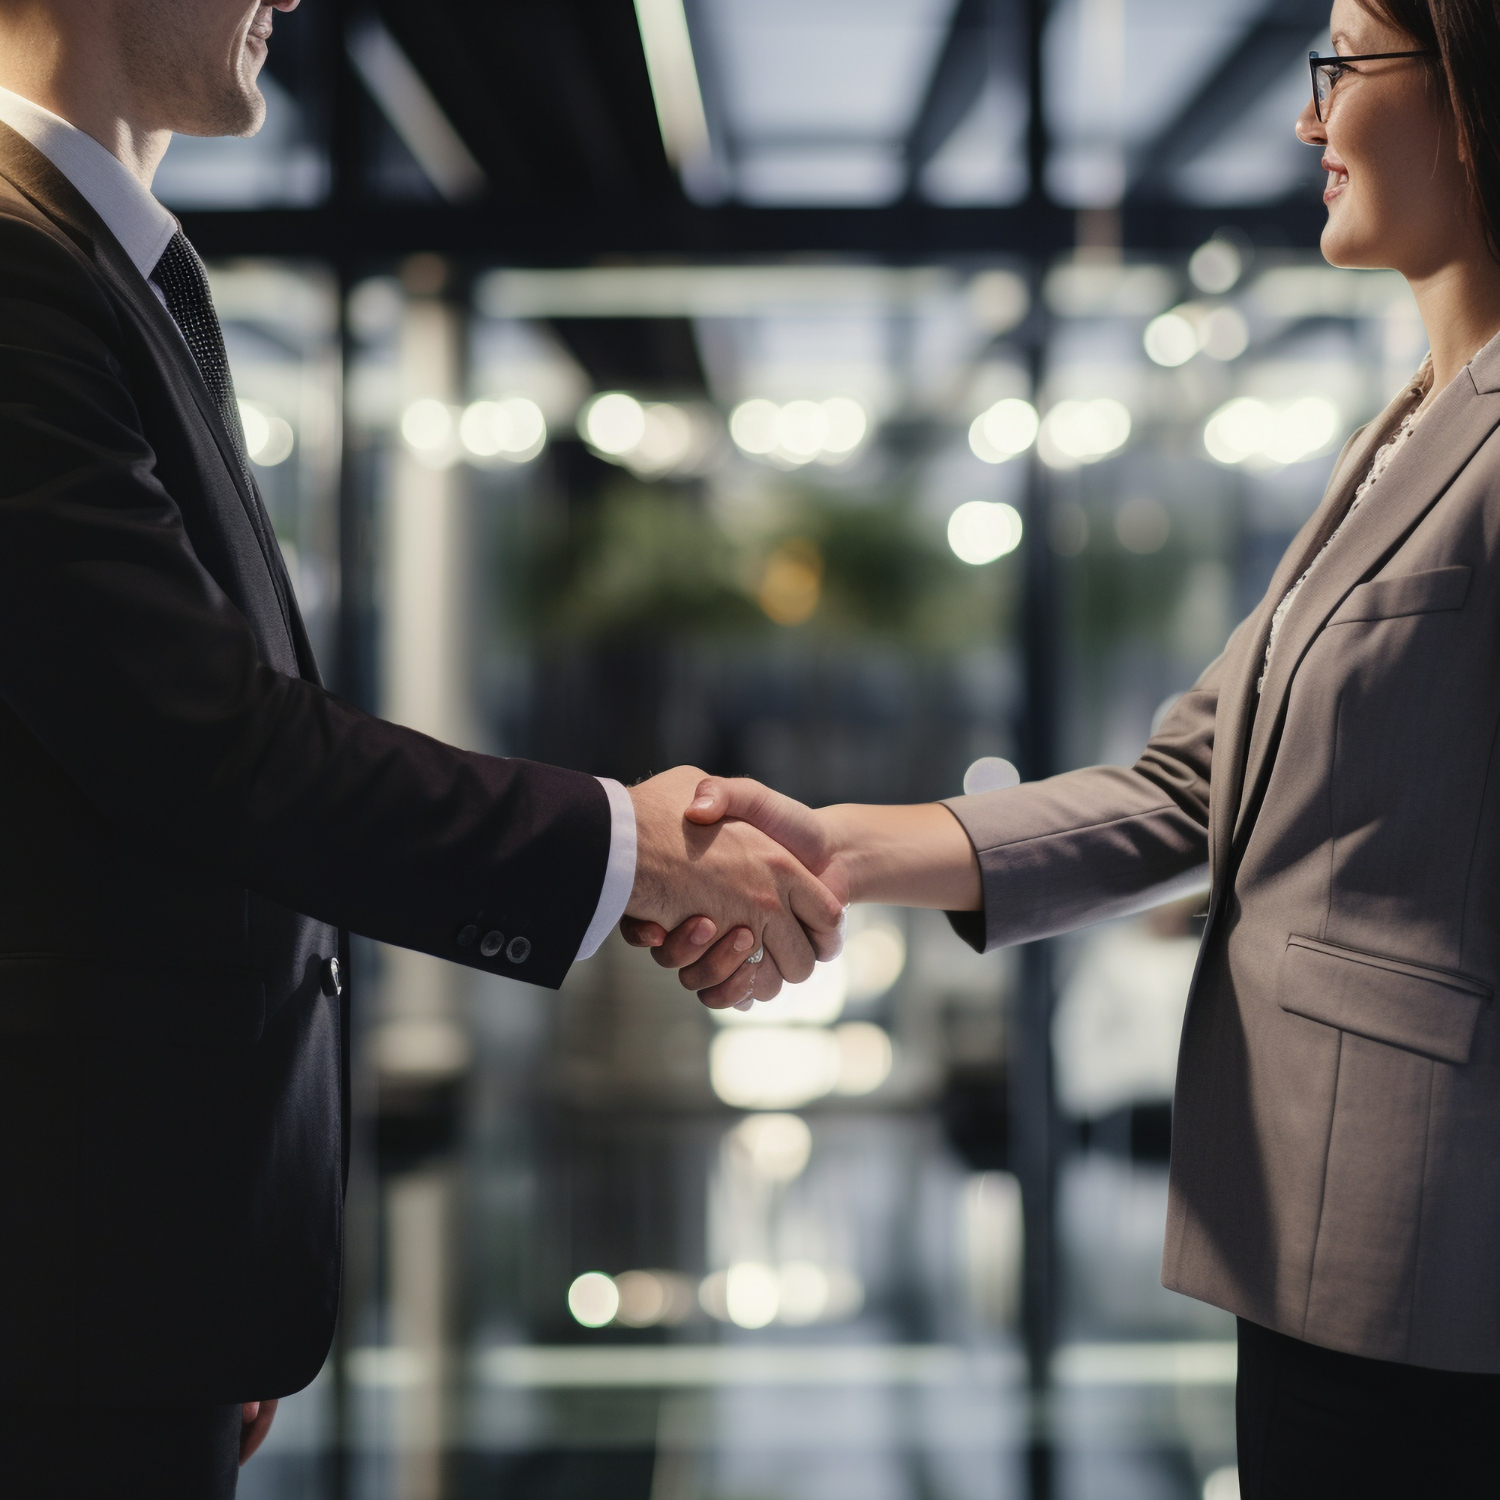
(781, 520)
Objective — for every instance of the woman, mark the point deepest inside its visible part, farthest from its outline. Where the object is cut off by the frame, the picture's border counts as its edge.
(1336, 1150)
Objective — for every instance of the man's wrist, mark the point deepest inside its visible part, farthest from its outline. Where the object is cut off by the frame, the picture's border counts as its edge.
(619, 870)
(648, 887)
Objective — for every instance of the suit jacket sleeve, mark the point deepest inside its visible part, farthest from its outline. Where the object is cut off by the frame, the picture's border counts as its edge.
(125, 660)
(1100, 842)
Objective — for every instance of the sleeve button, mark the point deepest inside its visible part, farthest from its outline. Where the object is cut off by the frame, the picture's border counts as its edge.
(492, 944)
(468, 936)
(519, 950)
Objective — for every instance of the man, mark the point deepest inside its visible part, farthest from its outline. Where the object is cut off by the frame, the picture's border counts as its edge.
(189, 823)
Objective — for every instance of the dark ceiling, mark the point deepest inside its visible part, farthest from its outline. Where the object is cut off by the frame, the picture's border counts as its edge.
(553, 99)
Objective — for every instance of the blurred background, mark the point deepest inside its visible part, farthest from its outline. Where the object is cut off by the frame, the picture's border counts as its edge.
(864, 395)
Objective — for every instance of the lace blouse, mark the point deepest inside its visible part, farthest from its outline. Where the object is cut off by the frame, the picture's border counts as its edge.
(1378, 465)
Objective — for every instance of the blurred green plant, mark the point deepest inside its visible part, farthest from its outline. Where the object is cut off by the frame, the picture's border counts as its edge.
(652, 562)
(643, 562)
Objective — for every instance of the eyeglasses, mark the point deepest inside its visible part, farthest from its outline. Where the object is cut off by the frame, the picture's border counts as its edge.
(1326, 71)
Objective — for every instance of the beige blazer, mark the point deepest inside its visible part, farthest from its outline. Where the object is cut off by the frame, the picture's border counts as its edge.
(1336, 1136)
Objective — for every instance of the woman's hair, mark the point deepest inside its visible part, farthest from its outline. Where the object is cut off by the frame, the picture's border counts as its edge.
(1466, 36)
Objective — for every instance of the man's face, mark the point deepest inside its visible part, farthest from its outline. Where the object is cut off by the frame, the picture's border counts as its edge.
(197, 61)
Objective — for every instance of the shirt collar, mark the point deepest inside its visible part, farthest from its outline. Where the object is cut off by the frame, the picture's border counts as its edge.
(142, 226)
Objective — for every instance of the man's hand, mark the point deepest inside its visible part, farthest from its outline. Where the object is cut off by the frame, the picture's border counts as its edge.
(255, 1422)
(719, 971)
(732, 879)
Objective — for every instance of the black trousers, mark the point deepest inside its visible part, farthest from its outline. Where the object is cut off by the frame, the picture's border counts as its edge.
(1321, 1425)
(118, 1452)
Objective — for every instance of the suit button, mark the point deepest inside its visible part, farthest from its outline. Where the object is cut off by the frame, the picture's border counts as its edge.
(333, 978)
(519, 950)
(492, 944)
(467, 936)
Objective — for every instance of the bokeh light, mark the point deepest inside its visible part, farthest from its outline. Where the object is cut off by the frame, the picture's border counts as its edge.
(269, 438)
(866, 1057)
(427, 426)
(777, 1146)
(980, 531)
(1215, 266)
(1142, 524)
(1254, 432)
(513, 430)
(791, 583)
(751, 1295)
(593, 1299)
(800, 432)
(613, 423)
(773, 1067)
(1171, 339)
(1083, 432)
(1006, 430)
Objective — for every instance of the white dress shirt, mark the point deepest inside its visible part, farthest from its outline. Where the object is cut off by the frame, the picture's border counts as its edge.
(143, 227)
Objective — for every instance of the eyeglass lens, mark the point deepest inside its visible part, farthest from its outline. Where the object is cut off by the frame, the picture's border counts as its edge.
(1322, 82)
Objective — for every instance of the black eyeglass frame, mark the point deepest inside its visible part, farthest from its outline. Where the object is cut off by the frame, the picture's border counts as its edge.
(1316, 65)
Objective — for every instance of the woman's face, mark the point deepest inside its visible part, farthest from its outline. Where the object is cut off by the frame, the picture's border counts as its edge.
(1397, 194)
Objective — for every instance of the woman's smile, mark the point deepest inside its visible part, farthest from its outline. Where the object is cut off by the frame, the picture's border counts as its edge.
(1338, 175)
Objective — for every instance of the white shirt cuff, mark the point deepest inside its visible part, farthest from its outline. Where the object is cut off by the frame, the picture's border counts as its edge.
(619, 873)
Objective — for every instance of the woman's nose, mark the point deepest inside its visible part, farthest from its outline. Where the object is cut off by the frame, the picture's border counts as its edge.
(1310, 129)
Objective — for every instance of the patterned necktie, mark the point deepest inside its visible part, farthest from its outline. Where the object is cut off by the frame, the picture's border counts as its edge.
(184, 283)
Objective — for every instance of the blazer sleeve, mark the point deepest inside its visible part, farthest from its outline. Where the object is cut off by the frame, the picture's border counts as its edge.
(1100, 842)
(124, 659)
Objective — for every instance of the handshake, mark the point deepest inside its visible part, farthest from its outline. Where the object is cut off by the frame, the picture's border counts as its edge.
(743, 889)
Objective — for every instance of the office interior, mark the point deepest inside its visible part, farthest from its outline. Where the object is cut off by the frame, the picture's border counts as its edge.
(875, 397)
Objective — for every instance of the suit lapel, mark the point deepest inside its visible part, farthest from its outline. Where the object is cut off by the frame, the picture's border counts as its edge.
(167, 340)
(1237, 701)
(55, 196)
(1460, 419)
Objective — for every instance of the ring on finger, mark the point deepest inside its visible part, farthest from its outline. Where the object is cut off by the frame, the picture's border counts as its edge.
(758, 955)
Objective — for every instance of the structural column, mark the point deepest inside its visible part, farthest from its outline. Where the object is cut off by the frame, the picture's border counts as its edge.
(421, 1044)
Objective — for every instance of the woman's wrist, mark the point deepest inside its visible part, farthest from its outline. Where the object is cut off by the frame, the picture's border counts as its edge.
(904, 856)
(848, 842)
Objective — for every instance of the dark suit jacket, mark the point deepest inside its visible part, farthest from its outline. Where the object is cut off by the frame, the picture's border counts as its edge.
(187, 820)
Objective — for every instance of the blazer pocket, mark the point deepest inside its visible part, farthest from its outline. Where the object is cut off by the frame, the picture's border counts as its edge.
(1410, 594)
(1429, 1011)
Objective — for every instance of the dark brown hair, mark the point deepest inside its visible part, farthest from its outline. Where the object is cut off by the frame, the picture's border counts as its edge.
(1466, 36)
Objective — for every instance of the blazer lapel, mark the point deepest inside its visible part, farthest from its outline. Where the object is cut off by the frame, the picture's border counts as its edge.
(1461, 418)
(1237, 701)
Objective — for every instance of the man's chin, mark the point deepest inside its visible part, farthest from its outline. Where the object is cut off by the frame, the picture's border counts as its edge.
(256, 117)
(239, 113)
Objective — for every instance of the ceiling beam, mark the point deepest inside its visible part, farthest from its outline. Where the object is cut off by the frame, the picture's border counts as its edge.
(963, 67)
(580, 234)
(1266, 50)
